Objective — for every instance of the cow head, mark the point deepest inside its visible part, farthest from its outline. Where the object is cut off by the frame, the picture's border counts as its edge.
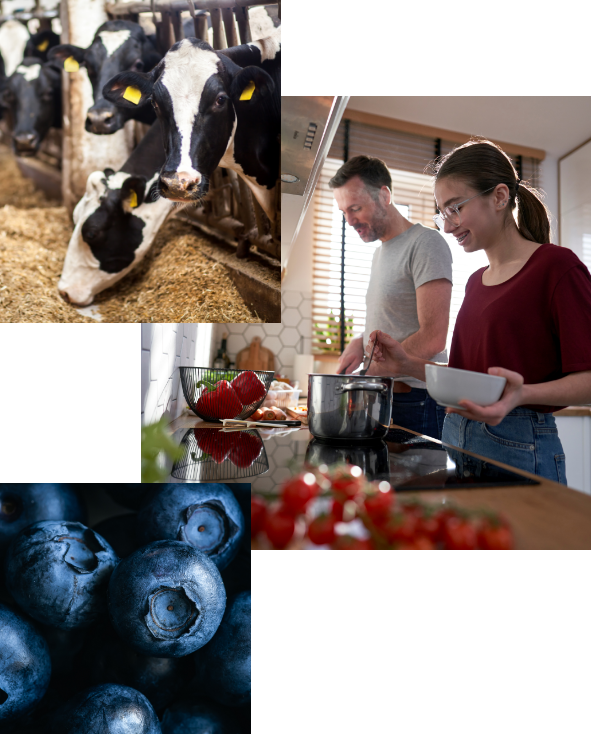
(196, 93)
(40, 44)
(117, 45)
(33, 96)
(115, 223)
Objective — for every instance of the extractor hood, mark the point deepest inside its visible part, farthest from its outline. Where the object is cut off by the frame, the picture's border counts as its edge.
(308, 126)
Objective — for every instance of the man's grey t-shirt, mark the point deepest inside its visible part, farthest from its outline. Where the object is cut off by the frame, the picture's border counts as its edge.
(399, 267)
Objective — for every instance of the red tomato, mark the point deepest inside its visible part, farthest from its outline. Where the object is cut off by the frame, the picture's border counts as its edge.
(258, 513)
(401, 528)
(346, 542)
(321, 530)
(346, 483)
(379, 505)
(495, 537)
(297, 492)
(280, 527)
(429, 526)
(460, 534)
(337, 510)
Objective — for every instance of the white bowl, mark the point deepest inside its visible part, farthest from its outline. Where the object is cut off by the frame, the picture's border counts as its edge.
(447, 386)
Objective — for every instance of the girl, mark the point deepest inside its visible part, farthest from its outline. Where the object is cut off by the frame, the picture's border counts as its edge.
(526, 317)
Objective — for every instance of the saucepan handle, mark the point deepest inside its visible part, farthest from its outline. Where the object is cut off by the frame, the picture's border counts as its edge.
(370, 386)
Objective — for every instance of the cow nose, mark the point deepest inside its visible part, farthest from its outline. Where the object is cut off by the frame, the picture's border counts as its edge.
(26, 142)
(80, 301)
(179, 184)
(100, 121)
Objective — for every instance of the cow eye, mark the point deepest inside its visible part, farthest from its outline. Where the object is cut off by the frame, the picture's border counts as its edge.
(137, 65)
(221, 100)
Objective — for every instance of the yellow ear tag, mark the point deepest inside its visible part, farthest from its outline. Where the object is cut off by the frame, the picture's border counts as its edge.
(247, 92)
(70, 64)
(133, 94)
(132, 199)
(43, 46)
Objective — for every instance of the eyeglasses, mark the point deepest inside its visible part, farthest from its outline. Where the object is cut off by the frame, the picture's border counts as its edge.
(451, 213)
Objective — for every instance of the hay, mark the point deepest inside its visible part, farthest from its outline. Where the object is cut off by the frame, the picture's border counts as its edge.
(175, 282)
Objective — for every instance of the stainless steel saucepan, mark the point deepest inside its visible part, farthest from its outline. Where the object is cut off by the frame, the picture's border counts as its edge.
(349, 407)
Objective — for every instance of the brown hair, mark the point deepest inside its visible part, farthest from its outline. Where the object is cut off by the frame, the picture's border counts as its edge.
(483, 165)
(372, 171)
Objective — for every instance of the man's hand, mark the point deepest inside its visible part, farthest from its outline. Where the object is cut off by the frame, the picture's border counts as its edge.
(352, 357)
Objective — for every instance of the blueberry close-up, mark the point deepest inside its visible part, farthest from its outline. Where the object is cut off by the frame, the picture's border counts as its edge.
(198, 717)
(58, 573)
(223, 666)
(106, 709)
(167, 599)
(25, 667)
(206, 516)
(24, 504)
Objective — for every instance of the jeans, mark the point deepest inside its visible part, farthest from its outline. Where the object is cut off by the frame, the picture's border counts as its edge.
(524, 439)
(418, 411)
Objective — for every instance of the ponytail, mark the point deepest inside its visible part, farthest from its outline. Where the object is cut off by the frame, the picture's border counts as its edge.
(483, 165)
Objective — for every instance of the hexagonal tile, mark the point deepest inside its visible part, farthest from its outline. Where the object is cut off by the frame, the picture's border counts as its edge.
(282, 455)
(292, 299)
(272, 343)
(281, 474)
(236, 342)
(273, 329)
(254, 330)
(236, 328)
(290, 337)
(265, 484)
(290, 317)
(305, 309)
(305, 327)
(286, 355)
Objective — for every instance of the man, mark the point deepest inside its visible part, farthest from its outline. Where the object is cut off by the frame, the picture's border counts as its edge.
(409, 291)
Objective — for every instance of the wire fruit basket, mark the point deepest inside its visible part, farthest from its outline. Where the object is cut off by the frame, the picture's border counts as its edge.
(215, 394)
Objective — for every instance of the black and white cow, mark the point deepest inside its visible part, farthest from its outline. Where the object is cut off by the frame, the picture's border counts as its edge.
(117, 45)
(115, 222)
(40, 44)
(217, 108)
(32, 96)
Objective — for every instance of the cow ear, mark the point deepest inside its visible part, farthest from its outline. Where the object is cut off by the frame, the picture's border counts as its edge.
(250, 84)
(132, 192)
(68, 57)
(129, 89)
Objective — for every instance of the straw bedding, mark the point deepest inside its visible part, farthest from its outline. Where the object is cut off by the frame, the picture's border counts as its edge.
(174, 283)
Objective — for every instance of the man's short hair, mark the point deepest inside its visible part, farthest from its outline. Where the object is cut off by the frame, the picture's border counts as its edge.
(372, 171)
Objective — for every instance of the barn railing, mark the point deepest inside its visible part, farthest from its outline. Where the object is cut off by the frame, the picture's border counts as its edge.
(229, 211)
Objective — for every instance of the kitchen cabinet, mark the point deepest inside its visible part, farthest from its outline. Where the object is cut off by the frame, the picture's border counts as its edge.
(574, 429)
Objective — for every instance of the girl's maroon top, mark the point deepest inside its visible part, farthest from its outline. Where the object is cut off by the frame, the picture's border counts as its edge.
(537, 323)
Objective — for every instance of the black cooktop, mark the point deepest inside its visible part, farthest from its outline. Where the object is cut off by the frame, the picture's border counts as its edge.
(266, 458)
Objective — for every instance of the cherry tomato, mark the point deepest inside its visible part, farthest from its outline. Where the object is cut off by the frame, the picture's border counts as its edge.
(258, 513)
(321, 530)
(279, 527)
(337, 510)
(379, 505)
(297, 492)
(495, 537)
(346, 542)
(347, 481)
(460, 534)
(401, 528)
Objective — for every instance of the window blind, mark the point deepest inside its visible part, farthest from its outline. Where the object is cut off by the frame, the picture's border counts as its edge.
(342, 261)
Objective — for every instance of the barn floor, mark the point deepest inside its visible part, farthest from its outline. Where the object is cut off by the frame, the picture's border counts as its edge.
(174, 283)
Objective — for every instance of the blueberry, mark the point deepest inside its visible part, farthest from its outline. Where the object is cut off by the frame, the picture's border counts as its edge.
(223, 666)
(25, 666)
(207, 516)
(119, 532)
(167, 599)
(58, 573)
(198, 717)
(24, 504)
(106, 709)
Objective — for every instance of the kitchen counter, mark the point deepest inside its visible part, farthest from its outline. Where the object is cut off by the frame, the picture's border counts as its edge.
(542, 513)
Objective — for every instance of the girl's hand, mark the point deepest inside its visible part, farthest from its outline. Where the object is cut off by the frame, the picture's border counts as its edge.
(389, 353)
(494, 414)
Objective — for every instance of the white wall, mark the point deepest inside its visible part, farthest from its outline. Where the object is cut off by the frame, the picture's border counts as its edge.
(164, 348)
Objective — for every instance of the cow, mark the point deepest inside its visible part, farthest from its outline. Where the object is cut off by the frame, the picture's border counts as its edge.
(32, 95)
(115, 222)
(217, 108)
(13, 40)
(40, 44)
(117, 45)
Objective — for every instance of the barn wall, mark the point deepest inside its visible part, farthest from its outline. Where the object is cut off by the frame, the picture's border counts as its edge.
(83, 151)
(164, 348)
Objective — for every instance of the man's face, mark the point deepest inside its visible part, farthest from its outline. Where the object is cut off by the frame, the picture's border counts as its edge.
(368, 217)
